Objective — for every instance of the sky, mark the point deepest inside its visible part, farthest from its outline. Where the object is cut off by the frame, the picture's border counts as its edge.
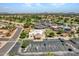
(39, 7)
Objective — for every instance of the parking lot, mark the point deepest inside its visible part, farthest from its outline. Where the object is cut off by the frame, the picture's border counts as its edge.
(48, 45)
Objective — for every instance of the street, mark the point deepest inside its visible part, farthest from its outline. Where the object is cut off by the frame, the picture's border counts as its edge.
(5, 49)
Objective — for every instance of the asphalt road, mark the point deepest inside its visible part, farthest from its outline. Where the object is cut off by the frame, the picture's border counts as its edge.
(11, 42)
(15, 49)
(16, 34)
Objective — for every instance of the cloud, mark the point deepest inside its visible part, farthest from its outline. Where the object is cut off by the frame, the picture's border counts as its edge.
(28, 4)
(32, 4)
(57, 4)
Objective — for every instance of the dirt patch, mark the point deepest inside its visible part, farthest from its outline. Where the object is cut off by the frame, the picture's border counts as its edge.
(2, 43)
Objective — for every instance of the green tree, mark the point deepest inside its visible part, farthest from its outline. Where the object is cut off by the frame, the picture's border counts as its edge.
(24, 34)
(25, 43)
(28, 23)
(50, 33)
(78, 30)
(60, 31)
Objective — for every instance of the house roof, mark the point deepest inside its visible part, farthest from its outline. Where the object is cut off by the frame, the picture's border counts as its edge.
(37, 36)
(35, 31)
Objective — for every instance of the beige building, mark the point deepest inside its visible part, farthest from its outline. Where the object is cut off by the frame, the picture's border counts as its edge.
(37, 34)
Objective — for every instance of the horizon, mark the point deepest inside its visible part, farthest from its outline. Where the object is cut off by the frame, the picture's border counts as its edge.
(39, 7)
